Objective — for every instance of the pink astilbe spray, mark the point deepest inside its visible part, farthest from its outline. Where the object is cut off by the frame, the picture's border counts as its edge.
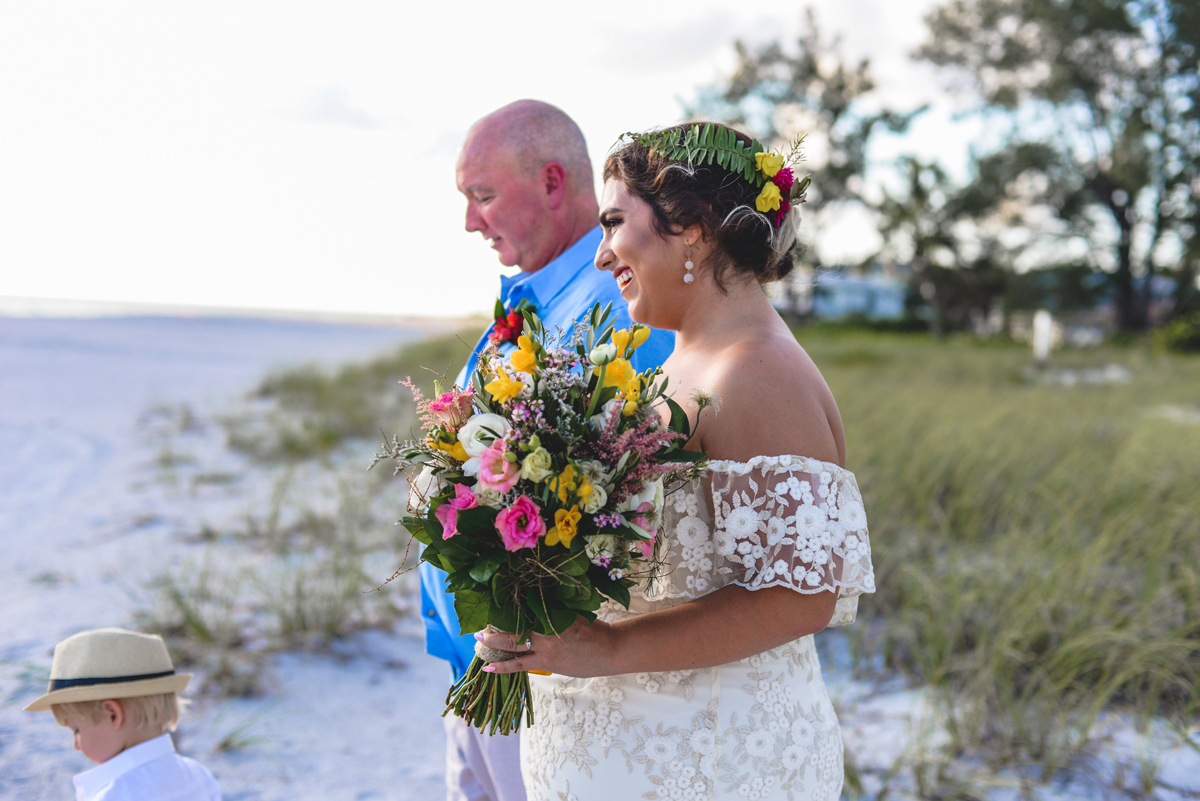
(642, 441)
(425, 415)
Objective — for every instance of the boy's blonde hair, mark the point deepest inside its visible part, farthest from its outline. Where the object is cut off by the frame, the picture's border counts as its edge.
(143, 711)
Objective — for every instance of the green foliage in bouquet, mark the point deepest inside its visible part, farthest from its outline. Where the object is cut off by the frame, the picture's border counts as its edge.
(539, 489)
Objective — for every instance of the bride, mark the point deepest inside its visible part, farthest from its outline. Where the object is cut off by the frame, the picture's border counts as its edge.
(709, 685)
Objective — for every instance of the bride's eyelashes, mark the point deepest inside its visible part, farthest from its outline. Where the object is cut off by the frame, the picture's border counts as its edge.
(609, 221)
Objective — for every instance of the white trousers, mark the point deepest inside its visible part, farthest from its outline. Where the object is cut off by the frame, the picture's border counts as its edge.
(480, 767)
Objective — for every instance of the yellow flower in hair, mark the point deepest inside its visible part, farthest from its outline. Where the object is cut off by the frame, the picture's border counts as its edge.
(524, 359)
(504, 388)
(769, 198)
(566, 523)
(768, 164)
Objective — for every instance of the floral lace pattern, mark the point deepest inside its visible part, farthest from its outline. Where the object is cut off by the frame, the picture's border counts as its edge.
(760, 728)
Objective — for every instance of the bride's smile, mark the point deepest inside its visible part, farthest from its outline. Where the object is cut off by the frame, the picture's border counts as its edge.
(646, 263)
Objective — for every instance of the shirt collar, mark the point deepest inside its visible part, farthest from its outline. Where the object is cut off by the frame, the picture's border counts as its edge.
(541, 287)
(89, 783)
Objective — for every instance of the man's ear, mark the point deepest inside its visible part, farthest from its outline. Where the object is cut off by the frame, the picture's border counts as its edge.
(553, 181)
(114, 713)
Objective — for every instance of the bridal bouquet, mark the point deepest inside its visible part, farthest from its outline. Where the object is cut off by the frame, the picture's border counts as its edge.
(539, 490)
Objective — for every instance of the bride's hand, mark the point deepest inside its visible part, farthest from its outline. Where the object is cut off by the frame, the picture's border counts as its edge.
(582, 651)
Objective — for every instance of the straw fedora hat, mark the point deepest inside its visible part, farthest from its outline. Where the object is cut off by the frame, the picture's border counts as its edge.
(109, 663)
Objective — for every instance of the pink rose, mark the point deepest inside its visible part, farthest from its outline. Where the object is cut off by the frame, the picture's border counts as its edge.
(447, 513)
(454, 407)
(521, 525)
(495, 472)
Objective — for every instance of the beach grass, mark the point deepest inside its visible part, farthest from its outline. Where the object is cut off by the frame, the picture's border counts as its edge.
(309, 411)
(1037, 546)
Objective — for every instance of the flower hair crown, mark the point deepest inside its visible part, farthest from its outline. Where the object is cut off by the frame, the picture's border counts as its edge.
(705, 143)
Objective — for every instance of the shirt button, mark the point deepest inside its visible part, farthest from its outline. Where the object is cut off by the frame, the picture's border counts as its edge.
(432, 613)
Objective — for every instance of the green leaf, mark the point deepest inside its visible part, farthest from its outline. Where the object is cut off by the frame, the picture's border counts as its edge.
(499, 312)
(617, 590)
(478, 521)
(538, 607)
(679, 419)
(562, 618)
(472, 610)
(486, 567)
(574, 566)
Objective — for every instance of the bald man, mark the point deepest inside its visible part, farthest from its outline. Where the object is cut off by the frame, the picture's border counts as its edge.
(525, 172)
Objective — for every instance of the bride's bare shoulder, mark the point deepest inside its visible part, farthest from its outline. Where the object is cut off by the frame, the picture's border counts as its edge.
(774, 401)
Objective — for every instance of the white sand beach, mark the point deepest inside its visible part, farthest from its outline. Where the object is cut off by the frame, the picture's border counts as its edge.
(83, 532)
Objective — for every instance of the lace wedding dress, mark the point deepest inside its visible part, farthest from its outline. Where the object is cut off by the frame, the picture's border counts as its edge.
(761, 728)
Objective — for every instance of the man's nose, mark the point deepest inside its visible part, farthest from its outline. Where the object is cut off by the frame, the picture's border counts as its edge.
(474, 219)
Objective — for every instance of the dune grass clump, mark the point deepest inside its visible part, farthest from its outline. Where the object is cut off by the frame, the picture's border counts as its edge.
(1037, 547)
(307, 412)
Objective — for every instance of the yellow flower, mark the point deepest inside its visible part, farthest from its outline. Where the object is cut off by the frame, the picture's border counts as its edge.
(503, 388)
(455, 449)
(620, 374)
(524, 359)
(630, 338)
(629, 408)
(566, 523)
(564, 483)
(585, 488)
(768, 164)
(769, 198)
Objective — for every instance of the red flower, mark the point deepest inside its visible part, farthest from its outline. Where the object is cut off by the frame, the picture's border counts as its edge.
(507, 327)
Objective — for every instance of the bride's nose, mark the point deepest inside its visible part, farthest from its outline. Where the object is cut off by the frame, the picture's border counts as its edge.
(604, 258)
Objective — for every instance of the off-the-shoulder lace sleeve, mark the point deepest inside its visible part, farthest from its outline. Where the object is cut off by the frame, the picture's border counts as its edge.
(770, 522)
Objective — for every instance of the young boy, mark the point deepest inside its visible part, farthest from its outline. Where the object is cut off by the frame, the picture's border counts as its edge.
(115, 689)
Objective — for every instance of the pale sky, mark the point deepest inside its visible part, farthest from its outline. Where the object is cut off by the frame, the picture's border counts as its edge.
(301, 155)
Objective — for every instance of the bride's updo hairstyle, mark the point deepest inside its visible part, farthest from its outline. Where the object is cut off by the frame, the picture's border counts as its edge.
(748, 243)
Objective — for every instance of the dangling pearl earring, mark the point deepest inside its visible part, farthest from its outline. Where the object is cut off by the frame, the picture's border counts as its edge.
(687, 265)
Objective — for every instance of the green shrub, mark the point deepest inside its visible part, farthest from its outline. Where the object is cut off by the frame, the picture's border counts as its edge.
(1181, 335)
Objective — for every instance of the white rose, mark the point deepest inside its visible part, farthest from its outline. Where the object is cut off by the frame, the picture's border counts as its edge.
(477, 434)
(595, 501)
(486, 497)
(605, 417)
(600, 545)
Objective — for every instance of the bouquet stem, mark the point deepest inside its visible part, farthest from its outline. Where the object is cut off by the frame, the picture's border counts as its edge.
(490, 700)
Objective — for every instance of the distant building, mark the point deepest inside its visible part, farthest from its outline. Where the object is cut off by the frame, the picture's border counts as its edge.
(836, 296)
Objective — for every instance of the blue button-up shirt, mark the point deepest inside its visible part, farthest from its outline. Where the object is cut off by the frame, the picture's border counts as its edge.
(562, 292)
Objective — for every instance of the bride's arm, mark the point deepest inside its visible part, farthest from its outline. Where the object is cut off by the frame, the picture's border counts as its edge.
(721, 627)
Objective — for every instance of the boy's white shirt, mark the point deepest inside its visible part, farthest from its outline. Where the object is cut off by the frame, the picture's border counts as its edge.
(149, 771)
